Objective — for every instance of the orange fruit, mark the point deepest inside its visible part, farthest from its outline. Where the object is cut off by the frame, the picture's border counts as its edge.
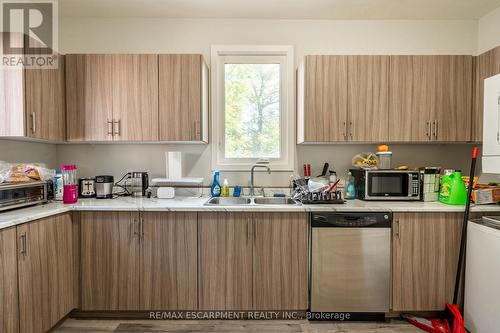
(383, 147)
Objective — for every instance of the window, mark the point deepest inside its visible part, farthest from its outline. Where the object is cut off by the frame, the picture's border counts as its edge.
(252, 107)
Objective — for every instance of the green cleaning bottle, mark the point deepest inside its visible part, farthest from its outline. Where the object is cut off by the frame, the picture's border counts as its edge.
(453, 191)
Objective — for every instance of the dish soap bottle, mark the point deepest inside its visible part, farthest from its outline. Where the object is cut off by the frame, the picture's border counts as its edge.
(225, 188)
(215, 188)
(350, 189)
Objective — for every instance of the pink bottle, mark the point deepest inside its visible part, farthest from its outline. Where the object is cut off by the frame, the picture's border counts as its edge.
(70, 187)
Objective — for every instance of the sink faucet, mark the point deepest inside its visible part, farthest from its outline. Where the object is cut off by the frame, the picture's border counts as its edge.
(252, 192)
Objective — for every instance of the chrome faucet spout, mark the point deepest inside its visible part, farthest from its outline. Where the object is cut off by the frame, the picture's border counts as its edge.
(252, 191)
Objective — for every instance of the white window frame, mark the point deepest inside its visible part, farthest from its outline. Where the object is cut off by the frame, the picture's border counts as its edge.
(282, 54)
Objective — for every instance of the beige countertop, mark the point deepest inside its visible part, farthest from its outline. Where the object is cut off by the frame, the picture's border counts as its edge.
(19, 216)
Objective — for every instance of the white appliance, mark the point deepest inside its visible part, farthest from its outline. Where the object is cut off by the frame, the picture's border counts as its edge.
(482, 276)
(491, 125)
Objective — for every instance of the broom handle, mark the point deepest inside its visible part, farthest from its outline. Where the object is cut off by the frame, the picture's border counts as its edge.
(461, 259)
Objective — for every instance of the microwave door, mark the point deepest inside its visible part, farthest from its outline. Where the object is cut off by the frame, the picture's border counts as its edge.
(388, 185)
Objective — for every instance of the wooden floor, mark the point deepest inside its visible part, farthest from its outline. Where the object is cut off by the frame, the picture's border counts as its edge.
(236, 326)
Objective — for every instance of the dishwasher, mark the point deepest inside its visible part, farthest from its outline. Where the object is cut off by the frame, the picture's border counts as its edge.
(350, 264)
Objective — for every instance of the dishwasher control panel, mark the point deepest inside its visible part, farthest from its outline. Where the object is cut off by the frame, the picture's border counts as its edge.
(352, 220)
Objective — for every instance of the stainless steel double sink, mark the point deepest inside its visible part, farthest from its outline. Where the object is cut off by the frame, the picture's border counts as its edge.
(242, 201)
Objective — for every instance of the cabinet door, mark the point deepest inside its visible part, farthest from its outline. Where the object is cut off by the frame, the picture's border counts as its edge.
(180, 97)
(325, 99)
(412, 97)
(12, 120)
(225, 262)
(9, 308)
(486, 65)
(135, 97)
(89, 97)
(46, 272)
(45, 103)
(425, 256)
(454, 98)
(280, 261)
(368, 98)
(169, 260)
(109, 261)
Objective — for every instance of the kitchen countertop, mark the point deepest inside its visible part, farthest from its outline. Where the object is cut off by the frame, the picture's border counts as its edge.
(19, 216)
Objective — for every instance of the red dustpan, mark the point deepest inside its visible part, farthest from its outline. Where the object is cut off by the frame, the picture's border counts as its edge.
(452, 321)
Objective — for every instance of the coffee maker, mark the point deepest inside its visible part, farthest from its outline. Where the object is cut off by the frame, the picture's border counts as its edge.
(137, 183)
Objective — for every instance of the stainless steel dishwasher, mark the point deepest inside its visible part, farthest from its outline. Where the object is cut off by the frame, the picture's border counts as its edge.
(350, 262)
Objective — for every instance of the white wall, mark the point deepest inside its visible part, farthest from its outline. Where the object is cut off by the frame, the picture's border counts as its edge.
(24, 151)
(488, 35)
(128, 35)
(146, 35)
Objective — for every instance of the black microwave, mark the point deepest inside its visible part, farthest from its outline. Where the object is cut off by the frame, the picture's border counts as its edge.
(395, 185)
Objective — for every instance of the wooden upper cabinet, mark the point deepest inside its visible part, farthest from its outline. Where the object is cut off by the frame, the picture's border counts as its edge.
(45, 103)
(430, 98)
(89, 97)
(169, 261)
(412, 97)
(280, 261)
(46, 272)
(486, 65)
(9, 308)
(183, 94)
(225, 262)
(109, 261)
(368, 97)
(322, 99)
(135, 97)
(454, 99)
(425, 256)
(112, 97)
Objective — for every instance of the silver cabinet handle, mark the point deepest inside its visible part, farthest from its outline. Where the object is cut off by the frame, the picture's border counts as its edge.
(24, 244)
(249, 231)
(142, 228)
(33, 122)
(345, 130)
(350, 129)
(117, 130)
(428, 129)
(437, 129)
(135, 231)
(434, 128)
(254, 232)
(197, 129)
(110, 127)
(397, 230)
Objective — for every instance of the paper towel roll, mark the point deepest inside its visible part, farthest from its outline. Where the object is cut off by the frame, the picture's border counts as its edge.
(173, 164)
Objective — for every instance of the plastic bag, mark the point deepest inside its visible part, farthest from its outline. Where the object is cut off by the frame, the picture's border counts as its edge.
(23, 172)
(365, 160)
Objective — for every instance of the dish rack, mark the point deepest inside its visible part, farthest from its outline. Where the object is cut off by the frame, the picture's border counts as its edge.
(321, 198)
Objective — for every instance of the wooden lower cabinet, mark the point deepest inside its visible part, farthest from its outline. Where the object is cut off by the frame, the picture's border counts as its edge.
(280, 261)
(46, 272)
(9, 306)
(132, 261)
(425, 256)
(225, 263)
(109, 261)
(253, 261)
(169, 259)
